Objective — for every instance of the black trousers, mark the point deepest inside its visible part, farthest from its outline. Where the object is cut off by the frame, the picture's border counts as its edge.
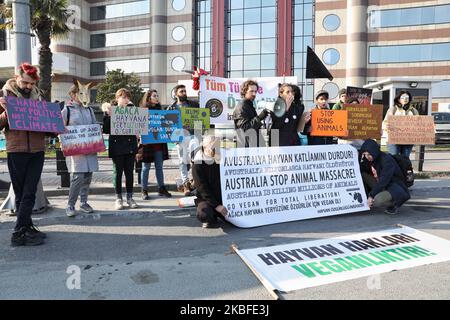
(123, 164)
(206, 213)
(25, 170)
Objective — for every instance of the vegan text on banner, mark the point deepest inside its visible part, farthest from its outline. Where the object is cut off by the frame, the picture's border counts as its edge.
(407, 130)
(34, 115)
(262, 186)
(79, 140)
(164, 126)
(127, 121)
(364, 121)
(308, 264)
(329, 123)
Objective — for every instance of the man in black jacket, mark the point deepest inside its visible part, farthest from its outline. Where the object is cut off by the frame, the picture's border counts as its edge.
(183, 148)
(246, 121)
(206, 172)
(385, 183)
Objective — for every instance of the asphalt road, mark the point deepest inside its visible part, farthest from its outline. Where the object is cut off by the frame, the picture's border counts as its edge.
(158, 252)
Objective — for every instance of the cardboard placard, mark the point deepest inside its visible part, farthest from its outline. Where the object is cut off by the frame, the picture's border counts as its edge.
(364, 121)
(86, 139)
(411, 130)
(127, 121)
(34, 115)
(329, 123)
(189, 116)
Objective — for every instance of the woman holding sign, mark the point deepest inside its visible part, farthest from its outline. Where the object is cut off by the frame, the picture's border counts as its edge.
(122, 149)
(287, 124)
(402, 107)
(81, 166)
(149, 153)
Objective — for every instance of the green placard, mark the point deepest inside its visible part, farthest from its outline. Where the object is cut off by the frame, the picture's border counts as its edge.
(189, 116)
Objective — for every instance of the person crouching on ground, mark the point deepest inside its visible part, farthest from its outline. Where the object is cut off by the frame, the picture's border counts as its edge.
(81, 166)
(206, 173)
(385, 185)
(122, 150)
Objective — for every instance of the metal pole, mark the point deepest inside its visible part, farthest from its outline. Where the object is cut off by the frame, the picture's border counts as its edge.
(21, 32)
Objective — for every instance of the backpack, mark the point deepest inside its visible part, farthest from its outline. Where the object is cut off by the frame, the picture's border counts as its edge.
(406, 167)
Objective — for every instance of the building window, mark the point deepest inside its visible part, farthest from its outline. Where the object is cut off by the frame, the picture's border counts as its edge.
(332, 90)
(178, 33)
(120, 38)
(426, 52)
(331, 56)
(441, 89)
(128, 66)
(178, 63)
(178, 5)
(410, 16)
(203, 40)
(251, 42)
(331, 22)
(303, 36)
(120, 10)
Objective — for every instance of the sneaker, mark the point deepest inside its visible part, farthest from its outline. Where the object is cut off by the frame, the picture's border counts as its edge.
(162, 192)
(391, 210)
(119, 204)
(70, 211)
(210, 225)
(86, 208)
(25, 237)
(132, 204)
(145, 195)
(36, 232)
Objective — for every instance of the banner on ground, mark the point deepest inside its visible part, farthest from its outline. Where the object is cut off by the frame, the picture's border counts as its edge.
(128, 121)
(222, 95)
(313, 263)
(164, 126)
(364, 121)
(34, 115)
(406, 130)
(357, 95)
(262, 186)
(329, 123)
(191, 116)
(78, 140)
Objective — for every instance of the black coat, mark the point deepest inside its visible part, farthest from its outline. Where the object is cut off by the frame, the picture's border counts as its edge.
(207, 182)
(287, 125)
(246, 118)
(390, 176)
(119, 145)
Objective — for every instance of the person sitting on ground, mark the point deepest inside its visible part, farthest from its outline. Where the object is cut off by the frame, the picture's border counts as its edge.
(385, 184)
(206, 173)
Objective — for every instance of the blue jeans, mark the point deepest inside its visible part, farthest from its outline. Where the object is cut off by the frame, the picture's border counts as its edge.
(404, 150)
(159, 159)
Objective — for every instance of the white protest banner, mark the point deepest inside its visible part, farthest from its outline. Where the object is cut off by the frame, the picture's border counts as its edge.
(86, 139)
(222, 95)
(262, 186)
(127, 121)
(313, 263)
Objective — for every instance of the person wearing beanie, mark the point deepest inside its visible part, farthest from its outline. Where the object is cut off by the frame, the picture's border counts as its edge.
(321, 103)
(342, 99)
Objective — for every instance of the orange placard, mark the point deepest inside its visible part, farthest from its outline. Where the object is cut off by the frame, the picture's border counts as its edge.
(329, 123)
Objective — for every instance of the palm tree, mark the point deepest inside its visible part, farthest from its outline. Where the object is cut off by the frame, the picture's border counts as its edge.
(48, 20)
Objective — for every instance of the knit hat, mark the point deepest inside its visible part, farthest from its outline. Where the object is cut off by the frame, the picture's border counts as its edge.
(342, 91)
(322, 93)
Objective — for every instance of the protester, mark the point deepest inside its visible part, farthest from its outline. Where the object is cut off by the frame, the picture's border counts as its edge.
(342, 100)
(287, 125)
(81, 166)
(246, 118)
(383, 179)
(184, 148)
(402, 107)
(206, 173)
(25, 156)
(122, 150)
(321, 99)
(149, 153)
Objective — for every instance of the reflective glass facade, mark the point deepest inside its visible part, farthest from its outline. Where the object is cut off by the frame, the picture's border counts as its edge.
(426, 52)
(120, 38)
(410, 16)
(120, 10)
(251, 41)
(203, 34)
(100, 68)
